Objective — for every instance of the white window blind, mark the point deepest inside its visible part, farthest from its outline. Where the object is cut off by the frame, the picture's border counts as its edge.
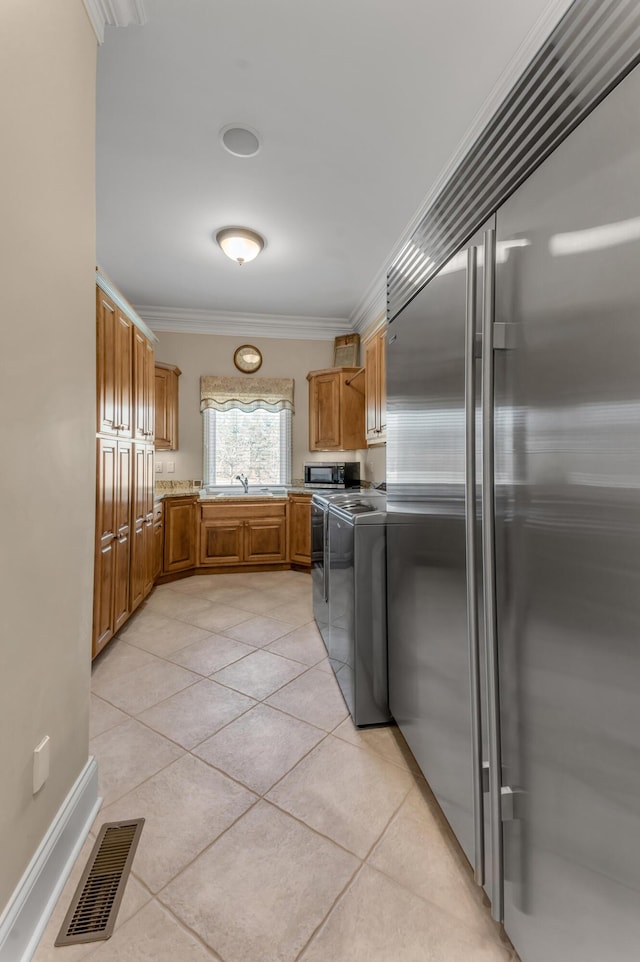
(257, 443)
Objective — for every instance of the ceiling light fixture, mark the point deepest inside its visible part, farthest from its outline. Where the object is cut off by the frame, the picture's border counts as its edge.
(240, 243)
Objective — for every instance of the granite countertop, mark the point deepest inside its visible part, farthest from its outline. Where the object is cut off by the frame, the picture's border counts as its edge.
(182, 490)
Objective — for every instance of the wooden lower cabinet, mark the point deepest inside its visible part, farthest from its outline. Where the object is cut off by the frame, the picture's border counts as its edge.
(149, 477)
(198, 535)
(180, 520)
(105, 555)
(300, 529)
(221, 542)
(123, 573)
(158, 539)
(122, 541)
(265, 540)
(111, 596)
(248, 533)
(142, 524)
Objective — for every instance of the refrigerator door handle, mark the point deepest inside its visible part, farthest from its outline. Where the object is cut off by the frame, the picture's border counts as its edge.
(489, 578)
(325, 560)
(470, 352)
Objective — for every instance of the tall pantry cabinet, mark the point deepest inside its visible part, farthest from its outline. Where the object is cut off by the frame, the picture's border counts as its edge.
(124, 549)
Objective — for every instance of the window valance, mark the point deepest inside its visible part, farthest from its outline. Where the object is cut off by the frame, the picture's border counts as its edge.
(242, 394)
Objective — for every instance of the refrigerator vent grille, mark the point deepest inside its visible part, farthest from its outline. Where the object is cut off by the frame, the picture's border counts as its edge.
(593, 47)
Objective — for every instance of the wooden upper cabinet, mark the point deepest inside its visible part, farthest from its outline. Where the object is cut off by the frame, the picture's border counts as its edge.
(144, 387)
(114, 368)
(382, 381)
(124, 393)
(371, 389)
(336, 410)
(106, 364)
(150, 391)
(166, 406)
(376, 387)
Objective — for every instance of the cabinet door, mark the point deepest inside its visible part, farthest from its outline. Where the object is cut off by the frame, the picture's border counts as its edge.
(124, 374)
(149, 391)
(162, 428)
(149, 481)
(106, 364)
(139, 385)
(265, 539)
(221, 542)
(122, 543)
(382, 383)
(179, 535)
(149, 562)
(300, 530)
(372, 398)
(158, 536)
(166, 408)
(138, 517)
(376, 388)
(324, 433)
(104, 566)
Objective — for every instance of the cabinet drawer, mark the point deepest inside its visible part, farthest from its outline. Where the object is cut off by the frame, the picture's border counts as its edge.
(244, 511)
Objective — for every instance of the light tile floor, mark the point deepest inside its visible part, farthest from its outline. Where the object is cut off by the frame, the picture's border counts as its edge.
(275, 831)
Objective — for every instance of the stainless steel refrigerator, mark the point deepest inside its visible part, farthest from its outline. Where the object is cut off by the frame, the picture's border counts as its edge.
(514, 581)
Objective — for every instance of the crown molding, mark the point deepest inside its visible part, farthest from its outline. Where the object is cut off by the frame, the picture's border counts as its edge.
(114, 13)
(178, 321)
(372, 307)
(106, 284)
(544, 25)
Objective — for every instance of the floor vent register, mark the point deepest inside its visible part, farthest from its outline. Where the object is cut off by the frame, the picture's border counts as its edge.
(94, 907)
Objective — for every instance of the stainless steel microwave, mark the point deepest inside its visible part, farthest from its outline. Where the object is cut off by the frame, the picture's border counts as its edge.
(332, 474)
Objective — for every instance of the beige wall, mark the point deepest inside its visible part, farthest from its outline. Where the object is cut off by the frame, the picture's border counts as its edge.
(374, 464)
(47, 404)
(197, 354)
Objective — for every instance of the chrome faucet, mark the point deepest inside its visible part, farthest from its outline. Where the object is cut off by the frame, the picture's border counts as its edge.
(244, 481)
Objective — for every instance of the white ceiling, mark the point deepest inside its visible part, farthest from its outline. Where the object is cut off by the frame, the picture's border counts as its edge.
(361, 104)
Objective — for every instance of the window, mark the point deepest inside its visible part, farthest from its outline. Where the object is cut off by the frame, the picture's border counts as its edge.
(256, 443)
(247, 429)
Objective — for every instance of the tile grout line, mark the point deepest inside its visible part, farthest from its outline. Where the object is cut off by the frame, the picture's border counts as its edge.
(333, 905)
(363, 862)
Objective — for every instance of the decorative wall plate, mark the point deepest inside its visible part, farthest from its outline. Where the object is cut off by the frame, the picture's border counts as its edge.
(247, 358)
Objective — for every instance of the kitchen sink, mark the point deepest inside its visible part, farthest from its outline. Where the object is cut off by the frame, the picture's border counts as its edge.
(239, 494)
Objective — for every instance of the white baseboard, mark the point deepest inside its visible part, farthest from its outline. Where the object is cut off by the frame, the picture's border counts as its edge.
(25, 917)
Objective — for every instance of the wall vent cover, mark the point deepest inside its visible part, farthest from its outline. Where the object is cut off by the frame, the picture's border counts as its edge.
(94, 906)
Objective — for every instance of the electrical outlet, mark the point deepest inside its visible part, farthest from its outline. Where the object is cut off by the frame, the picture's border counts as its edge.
(41, 757)
(159, 467)
(171, 467)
